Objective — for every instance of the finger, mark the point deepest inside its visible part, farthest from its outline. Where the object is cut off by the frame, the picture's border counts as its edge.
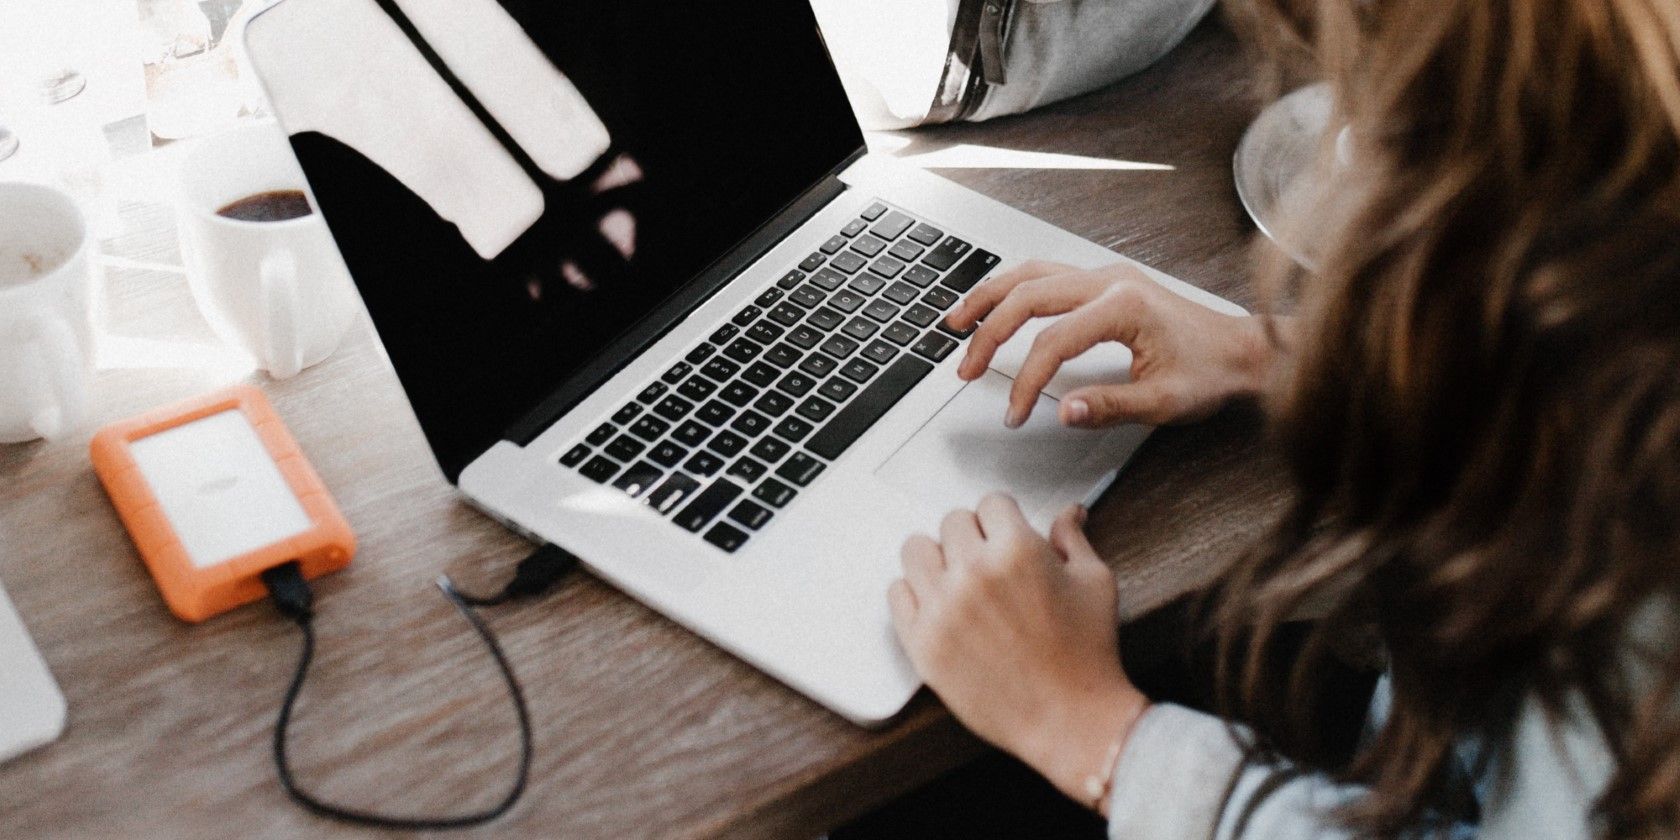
(904, 608)
(1000, 517)
(923, 564)
(1067, 535)
(1107, 405)
(1050, 295)
(988, 294)
(1111, 317)
(960, 538)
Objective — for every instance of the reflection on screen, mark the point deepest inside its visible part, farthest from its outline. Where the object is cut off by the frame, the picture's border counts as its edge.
(569, 168)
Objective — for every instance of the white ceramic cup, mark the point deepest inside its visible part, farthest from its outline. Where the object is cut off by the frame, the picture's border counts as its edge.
(279, 290)
(46, 331)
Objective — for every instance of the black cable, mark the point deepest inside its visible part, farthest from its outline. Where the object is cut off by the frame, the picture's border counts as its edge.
(291, 595)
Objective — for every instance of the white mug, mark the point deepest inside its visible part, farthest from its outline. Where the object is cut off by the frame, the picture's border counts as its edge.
(46, 332)
(278, 289)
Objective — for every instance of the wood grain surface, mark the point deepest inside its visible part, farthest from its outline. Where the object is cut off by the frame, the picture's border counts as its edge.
(643, 730)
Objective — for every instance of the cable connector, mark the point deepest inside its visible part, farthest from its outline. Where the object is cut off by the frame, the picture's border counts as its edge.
(536, 574)
(290, 592)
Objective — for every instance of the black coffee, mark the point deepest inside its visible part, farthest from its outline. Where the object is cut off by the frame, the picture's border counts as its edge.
(275, 206)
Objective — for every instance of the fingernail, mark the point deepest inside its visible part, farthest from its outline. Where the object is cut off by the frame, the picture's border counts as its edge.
(1078, 411)
(1014, 418)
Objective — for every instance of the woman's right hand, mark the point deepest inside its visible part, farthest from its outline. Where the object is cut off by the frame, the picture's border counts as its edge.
(1187, 359)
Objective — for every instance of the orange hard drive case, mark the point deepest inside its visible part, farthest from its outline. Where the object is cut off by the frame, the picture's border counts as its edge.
(194, 593)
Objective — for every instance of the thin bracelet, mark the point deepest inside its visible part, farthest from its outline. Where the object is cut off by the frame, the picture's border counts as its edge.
(1098, 785)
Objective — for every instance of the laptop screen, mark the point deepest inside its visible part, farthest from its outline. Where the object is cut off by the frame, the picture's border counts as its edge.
(514, 183)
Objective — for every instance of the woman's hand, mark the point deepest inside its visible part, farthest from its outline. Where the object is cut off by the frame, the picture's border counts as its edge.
(1019, 636)
(1187, 359)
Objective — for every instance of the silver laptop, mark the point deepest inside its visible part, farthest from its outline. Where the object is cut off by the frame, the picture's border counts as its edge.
(32, 711)
(653, 302)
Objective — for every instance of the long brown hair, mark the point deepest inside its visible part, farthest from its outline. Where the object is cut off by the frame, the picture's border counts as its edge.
(1481, 413)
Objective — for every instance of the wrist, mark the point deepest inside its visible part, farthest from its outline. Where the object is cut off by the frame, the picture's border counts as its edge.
(1077, 746)
(1256, 355)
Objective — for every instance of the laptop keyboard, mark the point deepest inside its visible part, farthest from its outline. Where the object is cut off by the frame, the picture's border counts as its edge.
(732, 432)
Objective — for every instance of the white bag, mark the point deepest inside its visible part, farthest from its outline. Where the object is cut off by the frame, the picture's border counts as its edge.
(913, 62)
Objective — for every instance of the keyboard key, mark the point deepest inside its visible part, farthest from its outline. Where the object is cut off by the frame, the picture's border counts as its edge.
(888, 267)
(624, 448)
(939, 298)
(765, 332)
(786, 314)
(869, 245)
(900, 293)
(715, 413)
(774, 403)
(639, 478)
(783, 355)
(574, 456)
(921, 275)
(833, 244)
(673, 492)
(815, 409)
(602, 434)
(738, 393)
(747, 470)
(859, 370)
(828, 280)
(703, 464)
(926, 234)
(673, 376)
(673, 408)
(881, 310)
(627, 413)
(971, 271)
(720, 369)
(868, 407)
(767, 297)
(935, 346)
(727, 443)
(846, 301)
(726, 537)
(860, 328)
(793, 429)
(599, 469)
(708, 504)
(800, 469)
(751, 514)
(825, 319)
(848, 262)
(691, 433)
(804, 337)
(874, 211)
(771, 449)
(837, 389)
(743, 350)
(808, 296)
(880, 351)
(954, 332)
(921, 315)
(893, 226)
(854, 227)
(907, 251)
(667, 454)
(790, 279)
(866, 284)
(697, 388)
(746, 316)
(818, 365)
(658, 389)
(700, 354)
(901, 333)
(761, 374)
(750, 423)
(947, 254)
(649, 428)
(723, 333)
(796, 384)
(811, 263)
(839, 346)
(774, 492)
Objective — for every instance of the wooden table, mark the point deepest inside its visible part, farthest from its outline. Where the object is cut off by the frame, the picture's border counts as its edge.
(642, 729)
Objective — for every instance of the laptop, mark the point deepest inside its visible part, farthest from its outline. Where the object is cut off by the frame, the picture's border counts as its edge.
(32, 711)
(653, 301)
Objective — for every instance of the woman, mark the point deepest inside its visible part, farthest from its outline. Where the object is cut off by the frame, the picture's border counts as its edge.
(1479, 403)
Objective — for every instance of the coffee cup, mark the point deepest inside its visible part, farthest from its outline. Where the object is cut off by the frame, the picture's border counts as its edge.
(260, 260)
(46, 331)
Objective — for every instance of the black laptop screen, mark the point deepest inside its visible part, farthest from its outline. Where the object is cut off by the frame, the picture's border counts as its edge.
(514, 183)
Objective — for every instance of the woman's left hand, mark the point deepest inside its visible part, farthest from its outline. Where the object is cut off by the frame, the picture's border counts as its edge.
(1019, 636)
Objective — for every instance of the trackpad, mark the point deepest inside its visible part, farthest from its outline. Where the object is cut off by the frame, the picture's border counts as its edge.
(965, 452)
